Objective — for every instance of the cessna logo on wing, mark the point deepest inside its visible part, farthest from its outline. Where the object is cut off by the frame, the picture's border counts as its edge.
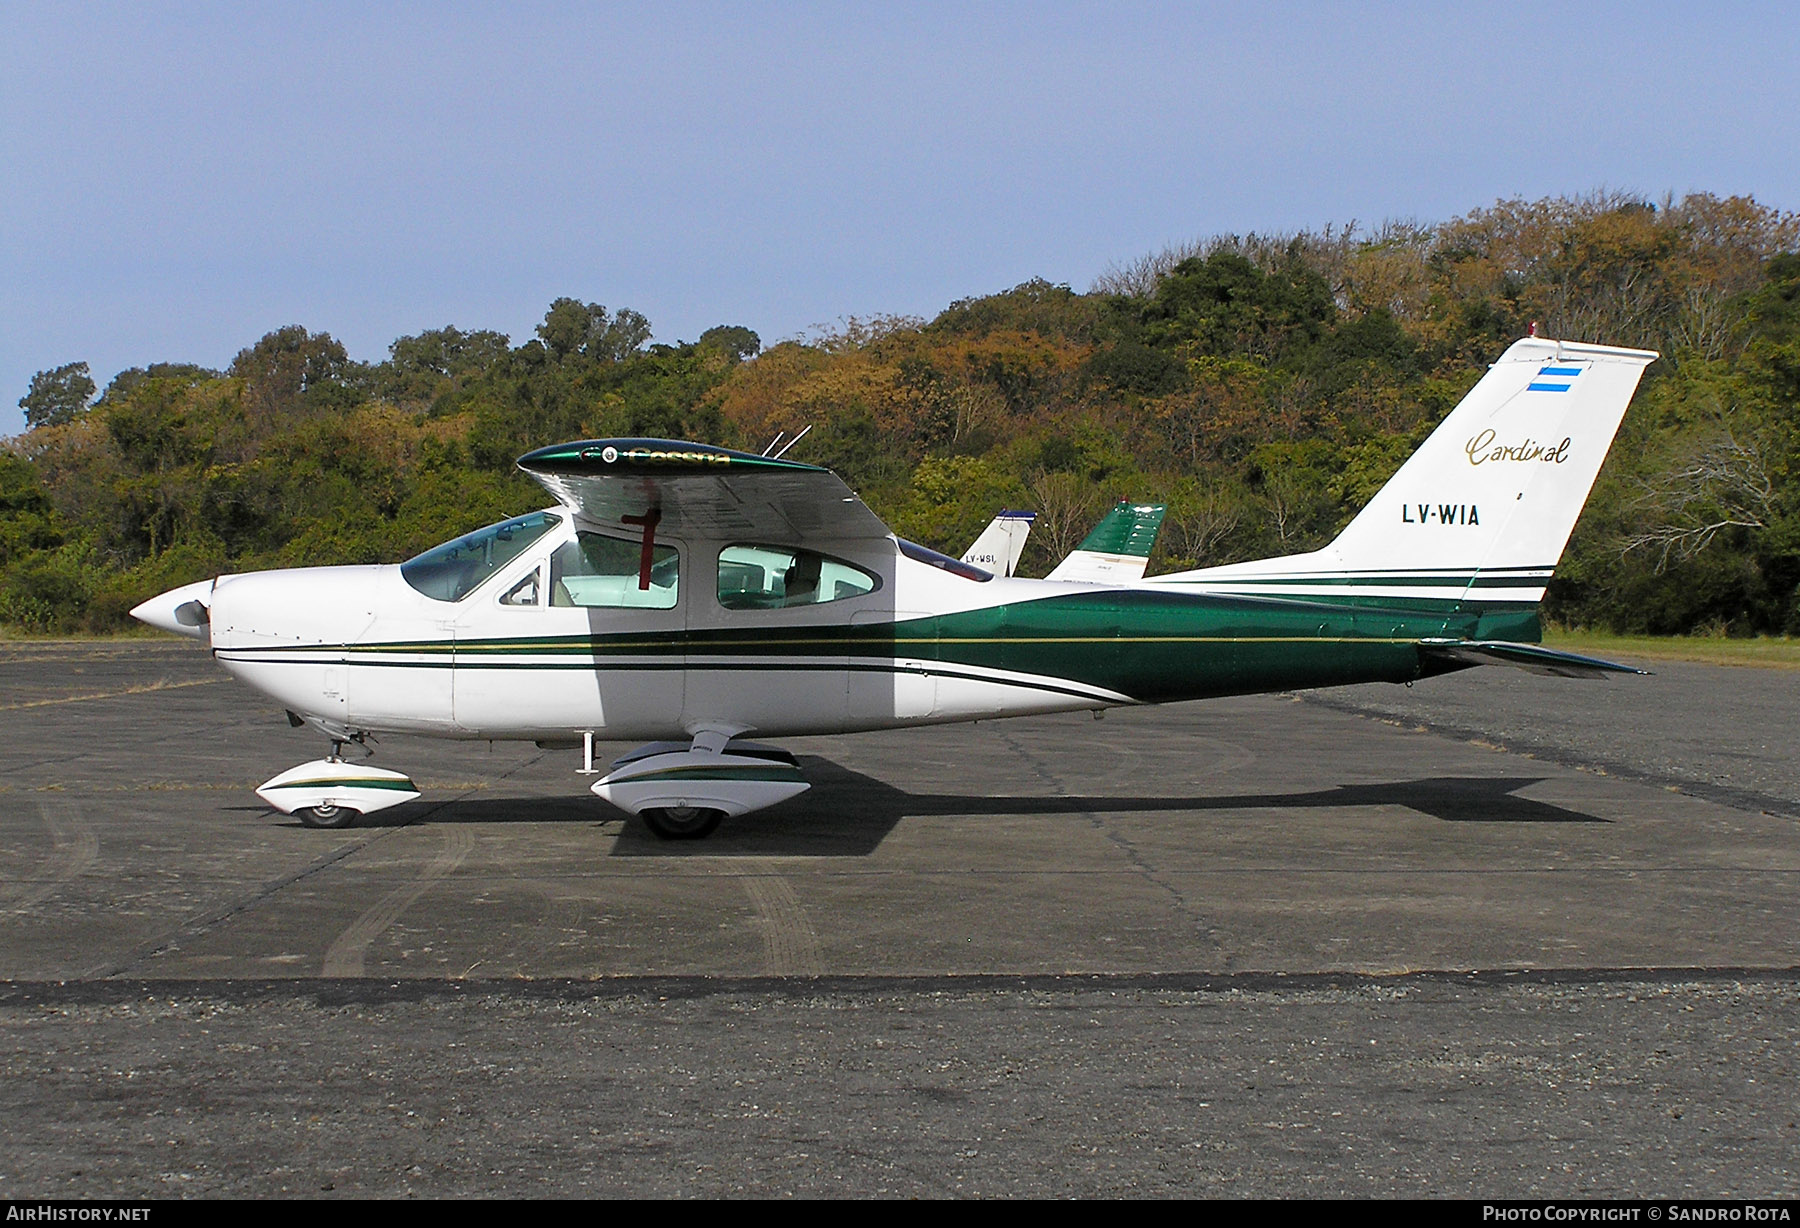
(656, 456)
(675, 458)
(1482, 449)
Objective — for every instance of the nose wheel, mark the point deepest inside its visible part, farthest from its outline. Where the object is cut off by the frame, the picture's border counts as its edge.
(332, 793)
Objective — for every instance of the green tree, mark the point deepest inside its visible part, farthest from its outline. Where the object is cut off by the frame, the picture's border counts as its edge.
(28, 521)
(423, 368)
(1035, 306)
(127, 381)
(291, 370)
(57, 395)
(734, 341)
(572, 328)
(1225, 304)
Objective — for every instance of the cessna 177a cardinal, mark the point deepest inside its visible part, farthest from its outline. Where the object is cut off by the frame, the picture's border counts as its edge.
(687, 596)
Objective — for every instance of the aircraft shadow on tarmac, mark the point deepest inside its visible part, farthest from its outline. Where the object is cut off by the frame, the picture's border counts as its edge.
(849, 813)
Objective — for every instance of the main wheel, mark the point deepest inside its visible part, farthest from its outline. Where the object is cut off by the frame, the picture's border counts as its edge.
(683, 822)
(327, 816)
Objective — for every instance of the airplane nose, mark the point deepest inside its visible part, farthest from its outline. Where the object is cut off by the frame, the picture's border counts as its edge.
(185, 611)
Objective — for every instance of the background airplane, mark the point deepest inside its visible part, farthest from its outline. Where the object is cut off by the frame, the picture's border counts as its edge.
(1117, 550)
(998, 548)
(688, 595)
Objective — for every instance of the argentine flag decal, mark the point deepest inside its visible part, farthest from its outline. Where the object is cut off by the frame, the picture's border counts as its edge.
(1553, 379)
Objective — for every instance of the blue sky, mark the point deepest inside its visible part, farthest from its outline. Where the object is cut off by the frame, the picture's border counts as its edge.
(180, 179)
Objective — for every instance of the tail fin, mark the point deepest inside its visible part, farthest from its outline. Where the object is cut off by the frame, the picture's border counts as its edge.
(1498, 487)
(1001, 543)
(1118, 549)
(1488, 501)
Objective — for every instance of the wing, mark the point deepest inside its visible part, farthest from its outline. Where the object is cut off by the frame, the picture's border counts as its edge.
(702, 491)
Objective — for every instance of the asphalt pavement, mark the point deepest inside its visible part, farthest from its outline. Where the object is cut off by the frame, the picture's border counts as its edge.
(1492, 935)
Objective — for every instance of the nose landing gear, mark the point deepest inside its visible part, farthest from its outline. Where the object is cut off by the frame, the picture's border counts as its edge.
(332, 793)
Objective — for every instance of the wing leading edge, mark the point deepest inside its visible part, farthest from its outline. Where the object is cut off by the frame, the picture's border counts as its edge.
(702, 491)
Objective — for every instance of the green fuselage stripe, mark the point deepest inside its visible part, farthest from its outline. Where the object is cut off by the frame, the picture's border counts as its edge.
(1151, 645)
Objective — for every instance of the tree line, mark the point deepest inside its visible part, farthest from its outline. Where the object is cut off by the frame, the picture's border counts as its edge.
(1263, 386)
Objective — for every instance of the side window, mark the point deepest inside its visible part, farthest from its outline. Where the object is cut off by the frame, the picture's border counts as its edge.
(525, 592)
(596, 570)
(777, 577)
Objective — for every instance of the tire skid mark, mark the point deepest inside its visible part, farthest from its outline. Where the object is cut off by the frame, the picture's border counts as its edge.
(207, 922)
(74, 848)
(145, 689)
(790, 945)
(348, 956)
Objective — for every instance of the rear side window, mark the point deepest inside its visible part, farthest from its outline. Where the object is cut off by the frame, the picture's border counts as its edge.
(457, 568)
(943, 562)
(778, 577)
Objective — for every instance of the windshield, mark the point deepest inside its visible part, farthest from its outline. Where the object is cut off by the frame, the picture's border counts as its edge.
(457, 568)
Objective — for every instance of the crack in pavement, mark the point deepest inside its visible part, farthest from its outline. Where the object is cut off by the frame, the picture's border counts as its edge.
(1207, 930)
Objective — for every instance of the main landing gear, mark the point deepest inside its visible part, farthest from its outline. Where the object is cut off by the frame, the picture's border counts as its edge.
(680, 822)
(683, 791)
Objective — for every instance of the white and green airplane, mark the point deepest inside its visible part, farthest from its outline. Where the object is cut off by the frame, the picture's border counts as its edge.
(686, 596)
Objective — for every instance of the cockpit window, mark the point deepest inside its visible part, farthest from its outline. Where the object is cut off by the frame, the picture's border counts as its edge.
(596, 570)
(525, 592)
(943, 562)
(776, 577)
(457, 568)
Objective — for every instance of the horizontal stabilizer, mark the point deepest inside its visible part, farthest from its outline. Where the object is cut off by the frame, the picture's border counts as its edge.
(1534, 657)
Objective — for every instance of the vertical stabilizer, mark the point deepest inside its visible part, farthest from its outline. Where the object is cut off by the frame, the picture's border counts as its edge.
(1488, 502)
(1001, 543)
(1118, 549)
(1499, 486)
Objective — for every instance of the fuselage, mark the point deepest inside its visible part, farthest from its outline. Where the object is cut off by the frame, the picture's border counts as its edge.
(584, 629)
